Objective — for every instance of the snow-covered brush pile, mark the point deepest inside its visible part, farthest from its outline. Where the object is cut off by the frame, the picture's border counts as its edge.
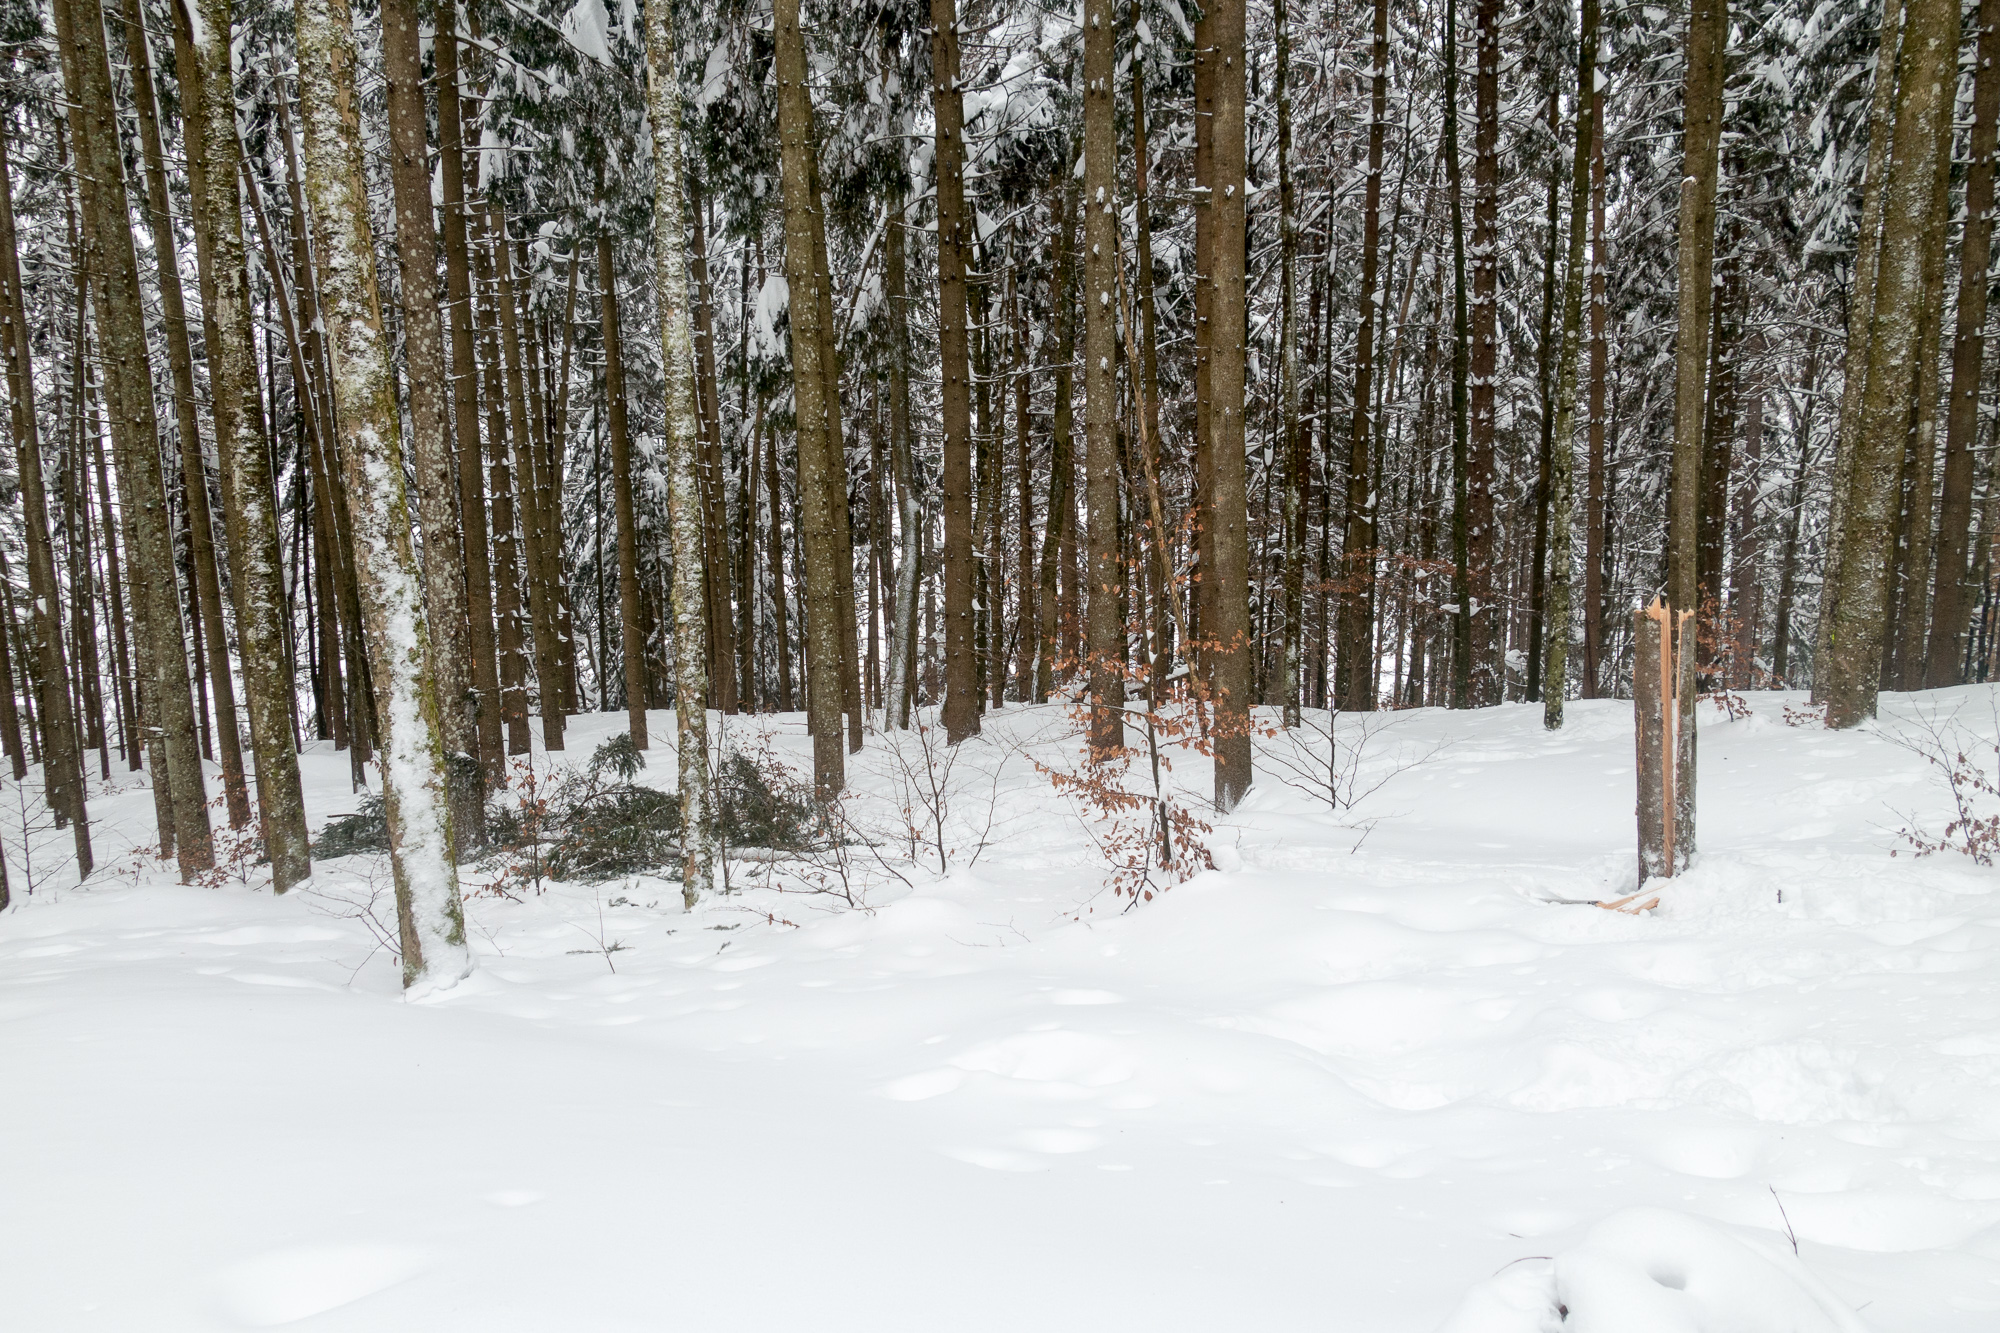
(1648, 1270)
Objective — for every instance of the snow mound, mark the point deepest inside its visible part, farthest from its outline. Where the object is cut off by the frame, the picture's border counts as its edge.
(1648, 1270)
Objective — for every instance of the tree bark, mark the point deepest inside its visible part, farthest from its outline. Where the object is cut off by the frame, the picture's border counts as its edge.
(431, 923)
(484, 704)
(1487, 676)
(629, 611)
(1860, 578)
(128, 394)
(684, 447)
(263, 623)
(423, 346)
(822, 470)
(1708, 35)
(1056, 535)
(1555, 657)
(1106, 635)
(1235, 657)
(63, 780)
(961, 686)
(1354, 687)
(1950, 605)
(206, 600)
(1595, 550)
(516, 481)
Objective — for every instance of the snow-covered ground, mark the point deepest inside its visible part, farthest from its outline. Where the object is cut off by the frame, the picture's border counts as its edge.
(1336, 1084)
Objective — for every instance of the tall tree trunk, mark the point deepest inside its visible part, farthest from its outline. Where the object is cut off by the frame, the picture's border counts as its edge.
(1545, 392)
(1487, 674)
(205, 603)
(1927, 56)
(1860, 310)
(961, 685)
(521, 563)
(895, 287)
(423, 346)
(504, 421)
(431, 923)
(721, 636)
(63, 780)
(782, 642)
(1788, 567)
(1555, 659)
(1708, 36)
(1235, 654)
(1910, 597)
(128, 393)
(1355, 687)
(684, 446)
(1461, 459)
(263, 622)
(1725, 352)
(822, 470)
(1166, 604)
(629, 611)
(483, 706)
(1595, 548)
(1050, 651)
(1106, 639)
(1950, 606)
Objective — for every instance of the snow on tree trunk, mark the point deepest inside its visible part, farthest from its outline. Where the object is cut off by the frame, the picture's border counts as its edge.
(180, 798)
(1105, 557)
(684, 499)
(431, 921)
(1562, 471)
(1860, 578)
(249, 512)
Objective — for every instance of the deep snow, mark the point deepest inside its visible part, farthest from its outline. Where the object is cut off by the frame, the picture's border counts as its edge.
(1327, 1086)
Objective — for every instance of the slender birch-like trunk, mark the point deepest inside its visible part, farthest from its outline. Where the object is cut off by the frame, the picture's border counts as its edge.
(430, 920)
(684, 498)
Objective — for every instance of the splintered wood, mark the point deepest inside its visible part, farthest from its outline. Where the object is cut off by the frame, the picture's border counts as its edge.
(1660, 669)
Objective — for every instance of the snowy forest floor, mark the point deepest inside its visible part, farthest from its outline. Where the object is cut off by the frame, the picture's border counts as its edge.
(1326, 1086)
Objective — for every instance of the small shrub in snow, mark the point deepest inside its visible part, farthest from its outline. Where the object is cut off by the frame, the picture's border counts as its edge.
(1970, 770)
(366, 830)
(1148, 835)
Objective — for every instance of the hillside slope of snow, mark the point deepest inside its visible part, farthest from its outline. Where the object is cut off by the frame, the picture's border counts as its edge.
(1339, 1082)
